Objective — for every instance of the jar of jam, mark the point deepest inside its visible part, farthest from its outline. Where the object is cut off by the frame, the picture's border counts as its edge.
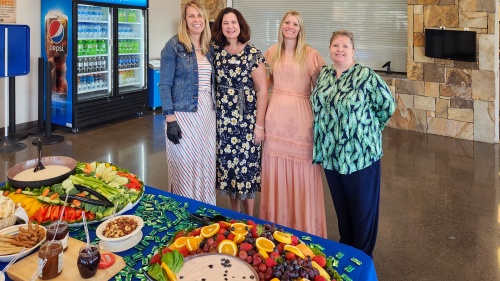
(62, 232)
(88, 261)
(51, 253)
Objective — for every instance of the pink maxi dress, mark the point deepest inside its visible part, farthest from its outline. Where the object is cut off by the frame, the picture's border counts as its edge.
(292, 187)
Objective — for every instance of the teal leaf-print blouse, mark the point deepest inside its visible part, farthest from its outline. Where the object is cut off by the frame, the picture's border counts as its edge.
(349, 115)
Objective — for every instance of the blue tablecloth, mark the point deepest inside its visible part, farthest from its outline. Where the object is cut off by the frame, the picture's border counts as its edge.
(365, 271)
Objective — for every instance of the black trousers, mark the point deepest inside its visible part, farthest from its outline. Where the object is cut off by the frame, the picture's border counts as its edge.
(357, 198)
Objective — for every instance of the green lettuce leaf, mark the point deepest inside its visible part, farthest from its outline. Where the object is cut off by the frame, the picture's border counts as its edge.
(157, 272)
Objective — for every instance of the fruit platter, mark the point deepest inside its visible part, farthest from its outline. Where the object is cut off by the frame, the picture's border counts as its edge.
(97, 189)
(271, 254)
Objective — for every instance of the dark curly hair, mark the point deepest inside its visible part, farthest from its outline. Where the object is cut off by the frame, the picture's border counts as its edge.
(217, 34)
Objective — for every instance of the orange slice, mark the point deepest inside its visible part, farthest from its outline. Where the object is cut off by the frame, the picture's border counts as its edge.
(275, 279)
(209, 230)
(263, 254)
(264, 244)
(179, 243)
(193, 243)
(238, 238)
(282, 237)
(171, 276)
(294, 250)
(240, 228)
(227, 247)
(305, 250)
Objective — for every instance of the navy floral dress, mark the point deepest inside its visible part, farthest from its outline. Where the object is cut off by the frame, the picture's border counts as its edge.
(238, 157)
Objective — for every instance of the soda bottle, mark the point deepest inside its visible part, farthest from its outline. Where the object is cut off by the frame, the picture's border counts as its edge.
(80, 65)
(104, 64)
(90, 82)
(104, 47)
(85, 65)
(131, 15)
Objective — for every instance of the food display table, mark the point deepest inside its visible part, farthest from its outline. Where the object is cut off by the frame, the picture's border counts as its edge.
(156, 233)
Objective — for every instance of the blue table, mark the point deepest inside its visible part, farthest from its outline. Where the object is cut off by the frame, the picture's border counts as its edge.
(365, 271)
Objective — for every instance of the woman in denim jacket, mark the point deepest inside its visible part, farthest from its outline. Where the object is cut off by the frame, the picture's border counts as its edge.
(186, 91)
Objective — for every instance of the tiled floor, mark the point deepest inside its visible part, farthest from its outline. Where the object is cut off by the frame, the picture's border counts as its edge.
(440, 200)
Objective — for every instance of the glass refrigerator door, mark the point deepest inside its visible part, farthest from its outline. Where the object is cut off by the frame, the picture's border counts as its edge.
(94, 54)
(131, 67)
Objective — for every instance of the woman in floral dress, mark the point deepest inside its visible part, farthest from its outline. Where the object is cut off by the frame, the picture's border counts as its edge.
(241, 101)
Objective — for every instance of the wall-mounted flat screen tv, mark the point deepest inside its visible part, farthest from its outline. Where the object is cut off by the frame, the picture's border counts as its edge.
(450, 44)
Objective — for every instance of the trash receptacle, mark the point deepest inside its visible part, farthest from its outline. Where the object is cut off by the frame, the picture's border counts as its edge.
(154, 82)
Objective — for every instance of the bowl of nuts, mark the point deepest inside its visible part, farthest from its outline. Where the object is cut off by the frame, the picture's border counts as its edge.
(119, 228)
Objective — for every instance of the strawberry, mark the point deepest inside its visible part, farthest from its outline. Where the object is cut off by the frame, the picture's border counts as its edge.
(319, 278)
(166, 250)
(254, 232)
(290, 256)
(220, 237)
(198, 231)
(320, 260)
(184, 251)
(192, 233)
(179, 234)
(223, 225)
(230, 236)
(233, 221)
(274, 255)
(270, 262)
(156, 259)
(245, 246)
(221, 230)
(250, 222)
(295, 240)
(280, 247)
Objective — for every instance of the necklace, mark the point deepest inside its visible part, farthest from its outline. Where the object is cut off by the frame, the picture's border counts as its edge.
(197, 49)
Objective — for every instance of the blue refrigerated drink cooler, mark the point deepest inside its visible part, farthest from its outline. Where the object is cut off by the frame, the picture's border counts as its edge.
(97, 51)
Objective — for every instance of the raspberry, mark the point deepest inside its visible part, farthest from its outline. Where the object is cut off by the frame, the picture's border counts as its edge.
(320, 260)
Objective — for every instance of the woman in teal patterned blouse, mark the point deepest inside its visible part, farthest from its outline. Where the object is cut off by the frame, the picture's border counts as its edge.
(351, 105)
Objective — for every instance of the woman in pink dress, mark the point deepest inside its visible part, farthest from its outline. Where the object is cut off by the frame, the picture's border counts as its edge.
(292, 187)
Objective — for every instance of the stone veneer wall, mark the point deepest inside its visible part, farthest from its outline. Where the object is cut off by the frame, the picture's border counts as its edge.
(445, 97)
(213, 7)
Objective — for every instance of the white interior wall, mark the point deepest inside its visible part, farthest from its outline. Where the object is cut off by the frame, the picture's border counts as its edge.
(164, 16)
(163, 19)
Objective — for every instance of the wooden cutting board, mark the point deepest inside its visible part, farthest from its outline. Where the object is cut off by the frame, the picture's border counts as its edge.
(24, 269)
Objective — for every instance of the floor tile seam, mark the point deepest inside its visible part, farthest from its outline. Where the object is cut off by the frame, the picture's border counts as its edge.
(462, 223)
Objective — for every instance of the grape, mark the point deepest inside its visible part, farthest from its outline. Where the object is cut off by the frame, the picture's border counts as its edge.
(262, 267)
(243, 255)
(261, 276)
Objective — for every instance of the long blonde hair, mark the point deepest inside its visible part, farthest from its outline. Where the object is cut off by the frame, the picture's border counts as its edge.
(300, 53)
(183, 32)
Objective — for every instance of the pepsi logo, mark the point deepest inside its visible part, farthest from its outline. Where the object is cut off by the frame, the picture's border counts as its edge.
(56, 31)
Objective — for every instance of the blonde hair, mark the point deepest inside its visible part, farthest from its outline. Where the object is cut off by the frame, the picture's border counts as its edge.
(183, 32)
(300, 53)
(345, 33)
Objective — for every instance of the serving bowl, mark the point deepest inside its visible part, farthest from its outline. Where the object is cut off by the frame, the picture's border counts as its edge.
(31, 164)
(100, 229)
(13, 230)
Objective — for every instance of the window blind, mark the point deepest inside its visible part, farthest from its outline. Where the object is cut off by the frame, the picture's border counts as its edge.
(379, 26)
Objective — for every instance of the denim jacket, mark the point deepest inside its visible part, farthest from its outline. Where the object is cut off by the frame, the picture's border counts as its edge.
(179, 78)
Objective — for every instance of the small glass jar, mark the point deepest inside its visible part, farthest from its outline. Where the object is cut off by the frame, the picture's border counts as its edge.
(62, 232)
(88, 261)
(51, 253)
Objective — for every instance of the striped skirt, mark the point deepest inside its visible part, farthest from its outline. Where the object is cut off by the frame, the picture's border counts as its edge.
(191, 163)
